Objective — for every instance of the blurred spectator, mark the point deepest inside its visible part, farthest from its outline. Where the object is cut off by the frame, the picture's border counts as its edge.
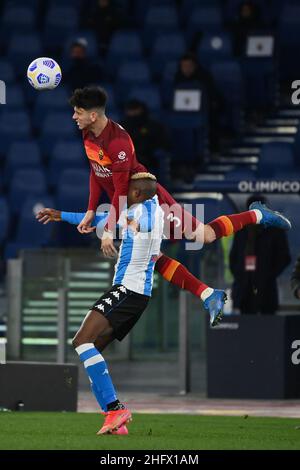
(247, 21)
(258, 256)
(104, 18)
(192, 75)
(148, 135)
(295, 279)
(81, 70)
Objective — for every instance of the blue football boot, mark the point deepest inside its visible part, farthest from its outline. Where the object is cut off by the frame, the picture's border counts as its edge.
(214, 304)
(271, 218)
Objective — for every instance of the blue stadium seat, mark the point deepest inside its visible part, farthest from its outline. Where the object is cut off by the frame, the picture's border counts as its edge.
(23, 184)
(30, 233)
(111, 102)
(131, 74)
(141, 7)
(7, 72)
(14, 125)
(56, 126)
(148, 94)
(15, 97)
(229, 82)
(4, 219)
(124, 46)
(73, 190)
(159, 20)
(204, 19)
(275, 157)
(289, 25)
(189, 135)
(22, 49)
(260, 77)
(50, 101)
(18, 18)
(22, 155)
(65, 155)
(214, 47)
(60, 22)
(166, 48)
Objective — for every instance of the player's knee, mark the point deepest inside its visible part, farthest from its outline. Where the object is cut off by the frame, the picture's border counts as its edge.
(80, 339)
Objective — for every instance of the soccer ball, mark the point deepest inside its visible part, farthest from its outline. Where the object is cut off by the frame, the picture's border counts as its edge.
(44, 74)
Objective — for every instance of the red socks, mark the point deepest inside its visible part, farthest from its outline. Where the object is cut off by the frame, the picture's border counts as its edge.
(177, 274)
(228, 224)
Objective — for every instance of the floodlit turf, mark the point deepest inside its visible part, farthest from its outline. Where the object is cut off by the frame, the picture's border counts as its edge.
(27, 430)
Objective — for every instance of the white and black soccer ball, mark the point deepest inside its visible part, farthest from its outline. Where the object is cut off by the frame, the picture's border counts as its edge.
(44, 73)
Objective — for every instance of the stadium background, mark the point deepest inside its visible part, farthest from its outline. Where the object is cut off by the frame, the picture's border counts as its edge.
(244, 137)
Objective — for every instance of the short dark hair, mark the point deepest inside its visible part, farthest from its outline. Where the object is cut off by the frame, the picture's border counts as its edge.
(89, 97)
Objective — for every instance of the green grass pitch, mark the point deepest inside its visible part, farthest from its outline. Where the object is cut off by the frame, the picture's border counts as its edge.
(147, 432)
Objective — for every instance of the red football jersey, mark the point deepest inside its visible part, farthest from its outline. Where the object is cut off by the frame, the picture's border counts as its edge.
(112, 160)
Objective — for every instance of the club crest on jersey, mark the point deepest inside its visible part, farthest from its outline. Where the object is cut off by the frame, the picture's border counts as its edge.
(122, 155)
(101, 154)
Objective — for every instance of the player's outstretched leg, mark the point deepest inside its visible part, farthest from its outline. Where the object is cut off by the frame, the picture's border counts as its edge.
(177, 274)
(214, 304)
(226, 225)
(269, 218)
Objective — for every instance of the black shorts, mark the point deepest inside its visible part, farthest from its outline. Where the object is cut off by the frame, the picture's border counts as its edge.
(122, 308)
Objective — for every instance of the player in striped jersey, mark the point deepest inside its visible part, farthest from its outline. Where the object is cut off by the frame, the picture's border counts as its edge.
(114, 314)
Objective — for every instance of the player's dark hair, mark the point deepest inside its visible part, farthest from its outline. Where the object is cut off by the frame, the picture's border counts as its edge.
(89, 98)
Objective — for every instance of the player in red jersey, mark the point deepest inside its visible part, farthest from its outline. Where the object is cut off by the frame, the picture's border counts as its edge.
(112, 159)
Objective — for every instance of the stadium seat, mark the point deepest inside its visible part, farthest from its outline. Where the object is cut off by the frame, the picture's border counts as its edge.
(4, 219)
(204, 19)
(148, 94)
(50, 101)
(124, 46)
(65, 155)
(30, 233)
(131, 74)
(7, 72)
(56, 126)
(18, 18)
(15, 98)
(22, 49)
(20, 156)
(260, 76)
(189, 134)
(73, 190)
(60, 22)
(214, 47)
(166, 48)
(229, 82)
(289, 24)
(23, 184)
(14, 125)
(275, 157)
(159, 20)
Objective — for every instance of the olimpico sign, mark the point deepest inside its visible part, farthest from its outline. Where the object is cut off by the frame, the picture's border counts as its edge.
(2, 92)
(269, 186)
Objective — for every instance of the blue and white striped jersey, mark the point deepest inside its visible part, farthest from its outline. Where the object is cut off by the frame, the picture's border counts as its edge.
(138, 251)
